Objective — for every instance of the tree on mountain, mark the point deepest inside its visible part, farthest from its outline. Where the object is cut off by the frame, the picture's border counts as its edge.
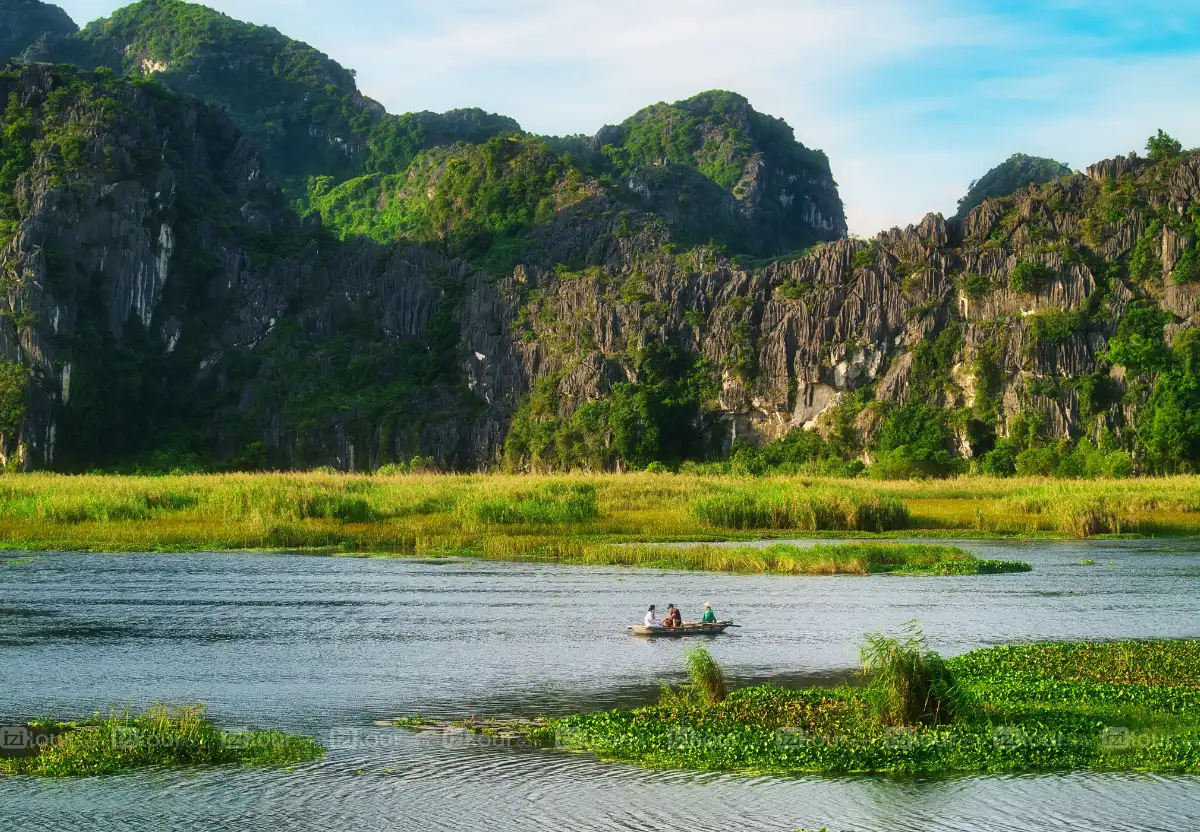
(1018, 172)
(1162, 146)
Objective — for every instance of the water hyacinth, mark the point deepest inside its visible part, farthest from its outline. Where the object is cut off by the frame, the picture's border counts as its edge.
(1123, 706)
(162, 736)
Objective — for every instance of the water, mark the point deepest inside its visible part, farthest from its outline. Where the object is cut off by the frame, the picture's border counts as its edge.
(328, 646)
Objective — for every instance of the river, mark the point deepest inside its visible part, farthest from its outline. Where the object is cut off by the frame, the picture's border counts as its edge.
(329, 646)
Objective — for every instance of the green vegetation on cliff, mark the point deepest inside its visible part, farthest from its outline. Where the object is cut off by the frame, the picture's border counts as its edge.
(302, 107)
(1015, 174)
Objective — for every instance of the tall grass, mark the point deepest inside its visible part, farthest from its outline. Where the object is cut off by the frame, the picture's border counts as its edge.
(909, 683)
(706, 675)
(858, 558)
(801, 510)
(558, 516)
(550, 504)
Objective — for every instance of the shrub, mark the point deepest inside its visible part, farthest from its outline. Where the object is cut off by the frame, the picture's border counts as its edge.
(1028, 277)
(1052, 327)
(975, 286)
(1037, 462)
(909, 683)
(14, 396)
(1187, 270)
(1001, 461)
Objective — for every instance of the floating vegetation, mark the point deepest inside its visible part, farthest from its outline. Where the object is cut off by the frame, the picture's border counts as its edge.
(1118, 706)
(161, 736)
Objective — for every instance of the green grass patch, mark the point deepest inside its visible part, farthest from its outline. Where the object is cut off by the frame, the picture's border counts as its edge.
(161, 736)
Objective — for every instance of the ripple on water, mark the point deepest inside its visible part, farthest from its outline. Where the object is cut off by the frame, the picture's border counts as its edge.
(305, 644)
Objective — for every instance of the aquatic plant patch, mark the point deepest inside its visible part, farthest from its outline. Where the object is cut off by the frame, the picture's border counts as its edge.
(1128, 706)
(161, 736)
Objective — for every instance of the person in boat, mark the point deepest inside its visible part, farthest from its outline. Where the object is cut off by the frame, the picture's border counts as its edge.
(651, 621)
(709, 616)
(673, 619)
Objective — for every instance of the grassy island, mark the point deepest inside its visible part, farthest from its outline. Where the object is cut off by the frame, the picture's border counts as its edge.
(1122, 706)
(575, 518)
(856, 558)
(159, 737)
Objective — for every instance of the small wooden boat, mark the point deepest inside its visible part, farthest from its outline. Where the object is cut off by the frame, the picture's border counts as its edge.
(688, 628)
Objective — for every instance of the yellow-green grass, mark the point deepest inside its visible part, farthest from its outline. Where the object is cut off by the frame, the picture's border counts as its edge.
(518, 517)
(856, 558)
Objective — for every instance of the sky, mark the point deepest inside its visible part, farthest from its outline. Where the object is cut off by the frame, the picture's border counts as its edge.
(911, 99)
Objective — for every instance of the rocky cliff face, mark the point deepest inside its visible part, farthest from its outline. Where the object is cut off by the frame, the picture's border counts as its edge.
(502, 301)
(789, 342)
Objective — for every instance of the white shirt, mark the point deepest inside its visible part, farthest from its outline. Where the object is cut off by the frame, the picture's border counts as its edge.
(650, 622)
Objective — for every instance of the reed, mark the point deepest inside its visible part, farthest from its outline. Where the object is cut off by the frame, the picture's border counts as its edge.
(803, 510)
(550, 504)
(706, 675)
(573, 515)
(909, 683)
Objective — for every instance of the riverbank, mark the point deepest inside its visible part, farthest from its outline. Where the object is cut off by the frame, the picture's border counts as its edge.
(572, 518)
(161, 737)
(1115, 706)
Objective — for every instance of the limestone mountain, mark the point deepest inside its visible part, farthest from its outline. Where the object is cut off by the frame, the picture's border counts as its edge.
(26, 22)
(718, 171)
(1014, 174)
(487, 297)
(303, 108)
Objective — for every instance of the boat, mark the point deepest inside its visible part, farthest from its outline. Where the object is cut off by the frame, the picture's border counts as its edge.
(688, 628)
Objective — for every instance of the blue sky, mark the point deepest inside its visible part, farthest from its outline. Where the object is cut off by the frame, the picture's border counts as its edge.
(911, 99)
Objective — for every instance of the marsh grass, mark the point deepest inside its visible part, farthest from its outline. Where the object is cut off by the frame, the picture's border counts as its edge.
(549, 504)
(1124, 706)
(856, 558)
(566, 516)
(706, 675)
(162, 736)
(803, 509)
(909, 684)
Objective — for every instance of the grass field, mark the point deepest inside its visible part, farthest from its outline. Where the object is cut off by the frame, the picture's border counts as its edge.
(571, 517)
